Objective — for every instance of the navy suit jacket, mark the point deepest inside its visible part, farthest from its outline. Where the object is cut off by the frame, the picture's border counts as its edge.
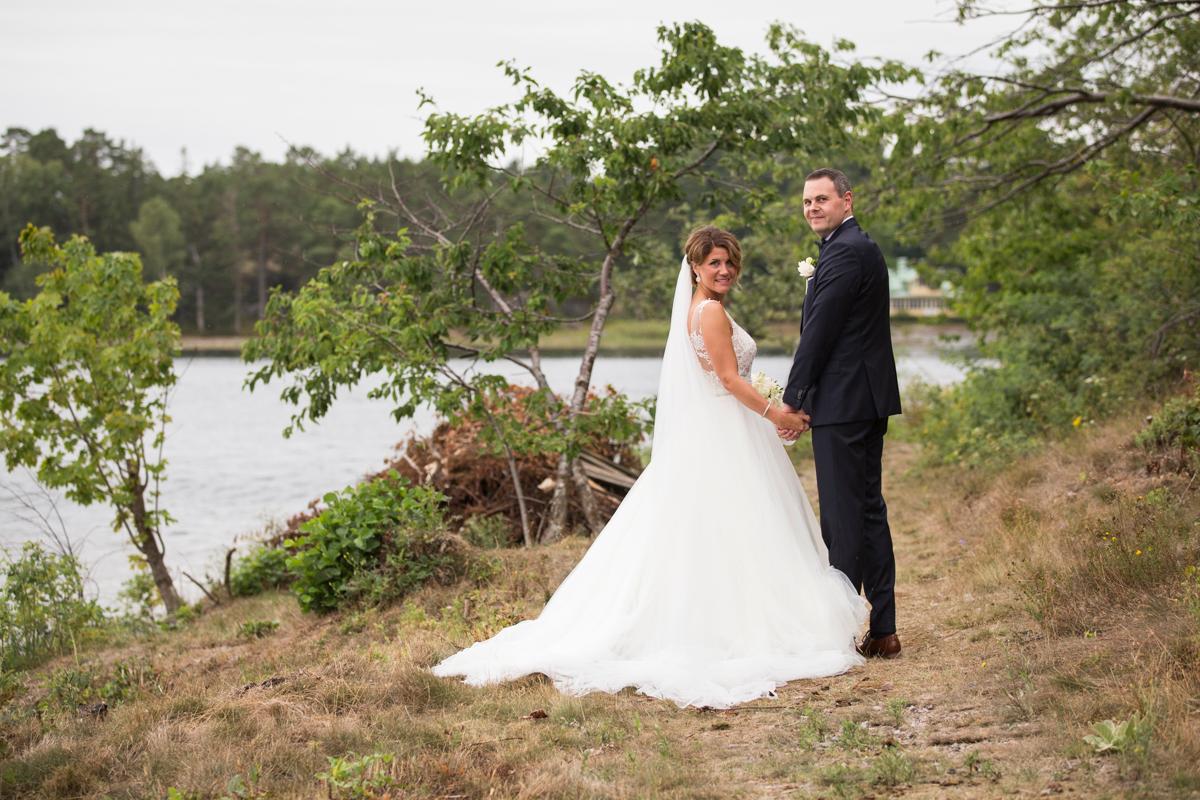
(844, 369)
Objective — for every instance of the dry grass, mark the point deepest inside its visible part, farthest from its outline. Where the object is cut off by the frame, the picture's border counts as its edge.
(1020, 630)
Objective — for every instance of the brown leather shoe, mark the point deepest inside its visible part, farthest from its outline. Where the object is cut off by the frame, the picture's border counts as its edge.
(883, 647)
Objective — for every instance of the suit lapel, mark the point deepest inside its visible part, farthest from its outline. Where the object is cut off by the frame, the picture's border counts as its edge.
(808, 293)
(808, 290)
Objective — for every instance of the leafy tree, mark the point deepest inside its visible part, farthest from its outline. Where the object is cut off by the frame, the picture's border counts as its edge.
(466, 280)
(159, 237)
(1061, 197)
(87, 365)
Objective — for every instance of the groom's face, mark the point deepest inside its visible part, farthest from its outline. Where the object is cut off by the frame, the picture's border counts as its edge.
(823, 208)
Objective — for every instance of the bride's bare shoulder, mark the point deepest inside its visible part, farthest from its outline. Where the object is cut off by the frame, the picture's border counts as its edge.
(707, 313)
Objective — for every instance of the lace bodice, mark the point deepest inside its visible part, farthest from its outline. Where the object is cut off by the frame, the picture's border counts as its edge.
(744, 346)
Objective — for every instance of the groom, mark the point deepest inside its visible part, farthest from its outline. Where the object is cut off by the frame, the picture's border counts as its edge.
(843, 379)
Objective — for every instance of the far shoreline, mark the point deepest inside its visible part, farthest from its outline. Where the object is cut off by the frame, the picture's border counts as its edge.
(636, 338)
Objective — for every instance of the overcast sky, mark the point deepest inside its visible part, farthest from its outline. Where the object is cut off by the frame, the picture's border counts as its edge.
(169, 74)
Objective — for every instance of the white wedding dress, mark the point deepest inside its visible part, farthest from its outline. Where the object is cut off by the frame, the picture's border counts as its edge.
(710, 585)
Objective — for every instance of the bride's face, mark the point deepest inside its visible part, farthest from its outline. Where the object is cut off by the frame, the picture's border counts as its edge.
(716, 274)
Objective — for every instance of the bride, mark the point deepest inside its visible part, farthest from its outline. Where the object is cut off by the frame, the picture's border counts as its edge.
(710, 585)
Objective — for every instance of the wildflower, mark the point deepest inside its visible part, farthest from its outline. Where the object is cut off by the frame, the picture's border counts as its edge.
(1137, 552)
(1077, 422)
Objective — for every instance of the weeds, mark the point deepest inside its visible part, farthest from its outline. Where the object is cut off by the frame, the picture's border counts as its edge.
(1129, 738)
(358, 778)
(42, 608)
(489, 532)
(976, 764)
(893, 767)
(896, 708)
(257, 629)
(855, 736)
(812, 730)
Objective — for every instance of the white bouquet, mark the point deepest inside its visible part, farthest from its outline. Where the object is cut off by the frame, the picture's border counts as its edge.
(765, 385)
(769, 388)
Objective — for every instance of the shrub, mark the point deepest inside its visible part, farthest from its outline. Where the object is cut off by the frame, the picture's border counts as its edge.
(489, 532)
(375, 541)
(70, 688)
(257, 629)
(263, 568)
(139, 596)
(42, 608)
(1175, 430)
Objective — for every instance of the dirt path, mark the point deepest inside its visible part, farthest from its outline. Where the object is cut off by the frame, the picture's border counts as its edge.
(944, 720)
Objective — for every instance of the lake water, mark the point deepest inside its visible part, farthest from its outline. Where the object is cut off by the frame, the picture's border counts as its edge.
(230, 471)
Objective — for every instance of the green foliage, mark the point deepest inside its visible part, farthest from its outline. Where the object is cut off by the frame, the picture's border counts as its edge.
(1141, 544)
(358, 778)
(159, 236)
(1131, 736)
(701, 124)
(138, 594)
(976, 764)
(1191, 592)
(896, 708)
(69, 688)
(374, 541)
(257, 629)
(1068, 226)
(856, 736)
(893, 767)
(1176, 429)
(86, 368)
(813, 729)
(92, 187)
(245, 788)
(264, 567)
(42, 607)
(488, 532)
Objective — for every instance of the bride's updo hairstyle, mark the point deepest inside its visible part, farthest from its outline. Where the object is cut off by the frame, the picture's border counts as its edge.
(704, 240)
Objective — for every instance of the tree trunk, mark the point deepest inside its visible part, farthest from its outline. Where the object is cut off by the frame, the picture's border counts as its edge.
(195, 254)
(515, 475)
(147, 543)
(584, 379)
(264, 221)
(236, 261)
(591, 511)
(559, 503)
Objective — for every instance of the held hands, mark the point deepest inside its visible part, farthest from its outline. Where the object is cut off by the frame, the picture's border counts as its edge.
(790, 422)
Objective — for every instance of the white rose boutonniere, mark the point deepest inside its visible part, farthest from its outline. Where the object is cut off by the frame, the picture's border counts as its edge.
(807, 269)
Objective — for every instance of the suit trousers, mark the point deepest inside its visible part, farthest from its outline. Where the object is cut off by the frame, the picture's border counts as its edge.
(849, 461)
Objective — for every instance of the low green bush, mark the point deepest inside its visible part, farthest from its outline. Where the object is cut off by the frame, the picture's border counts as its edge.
(489, 532)
(1175, 432)
(374, 542)
(257, 629)
(263, 568)
(71, 688)
(43, 611)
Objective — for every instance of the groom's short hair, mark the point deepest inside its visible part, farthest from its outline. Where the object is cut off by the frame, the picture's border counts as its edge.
(841, 184)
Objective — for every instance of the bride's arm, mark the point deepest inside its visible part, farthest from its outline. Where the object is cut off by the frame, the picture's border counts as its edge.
(718, 340)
